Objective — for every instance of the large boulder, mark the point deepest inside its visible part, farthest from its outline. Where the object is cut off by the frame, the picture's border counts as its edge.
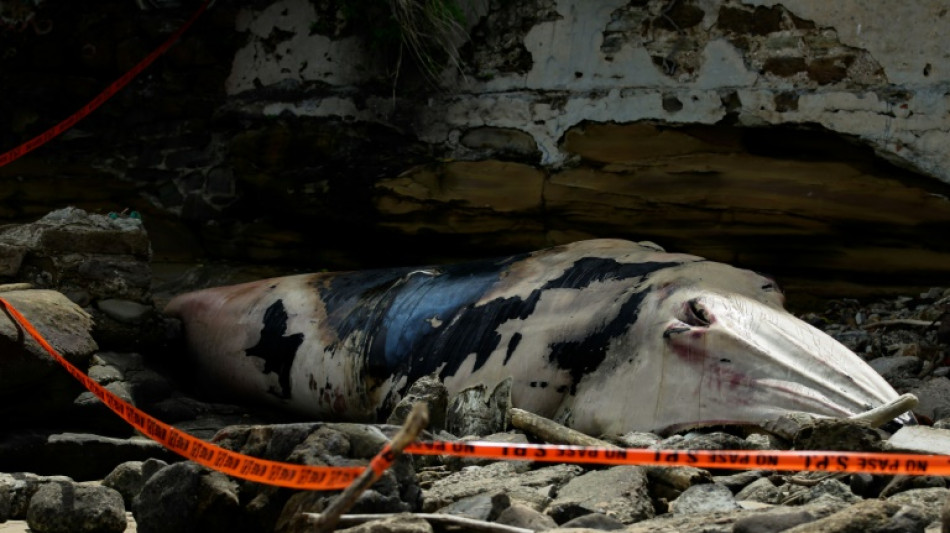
(69, 507)
(84, 255)
(32, 384)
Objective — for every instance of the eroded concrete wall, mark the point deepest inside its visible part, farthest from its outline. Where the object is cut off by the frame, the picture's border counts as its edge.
(873, 70)
(753, 132)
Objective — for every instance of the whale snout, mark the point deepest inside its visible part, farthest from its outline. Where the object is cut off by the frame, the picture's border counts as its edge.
(754, 361)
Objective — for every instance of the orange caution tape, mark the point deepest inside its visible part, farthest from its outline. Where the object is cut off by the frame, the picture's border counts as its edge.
(873, 463)
(41, 139)
(383, 460)
(210, 455)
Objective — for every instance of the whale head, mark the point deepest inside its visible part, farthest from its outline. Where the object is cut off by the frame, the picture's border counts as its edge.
(713, 344)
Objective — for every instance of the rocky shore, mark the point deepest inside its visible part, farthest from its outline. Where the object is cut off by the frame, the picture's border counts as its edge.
(70, 465)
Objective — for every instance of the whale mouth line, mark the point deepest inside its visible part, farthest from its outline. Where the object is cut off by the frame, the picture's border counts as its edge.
(794, 391)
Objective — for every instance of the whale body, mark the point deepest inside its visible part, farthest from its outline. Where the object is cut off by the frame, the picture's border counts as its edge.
(605, 336)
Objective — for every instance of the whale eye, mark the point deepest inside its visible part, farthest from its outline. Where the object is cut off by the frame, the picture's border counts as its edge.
(696, 314)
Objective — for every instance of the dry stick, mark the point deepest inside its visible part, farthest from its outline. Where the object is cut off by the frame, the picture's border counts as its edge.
(883, 414)
(550, 431)
(902, 322)
(327, 520)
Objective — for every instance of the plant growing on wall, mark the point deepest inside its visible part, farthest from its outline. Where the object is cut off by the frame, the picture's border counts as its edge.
(428, 32)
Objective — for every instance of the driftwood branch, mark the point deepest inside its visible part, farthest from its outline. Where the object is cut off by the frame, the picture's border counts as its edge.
(7, 287)
(883, 414)
(902, 322)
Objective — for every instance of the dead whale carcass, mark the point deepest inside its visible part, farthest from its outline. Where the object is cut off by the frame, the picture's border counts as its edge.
(602, 335)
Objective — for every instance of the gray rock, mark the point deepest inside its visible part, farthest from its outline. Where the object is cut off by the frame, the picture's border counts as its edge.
(598, 521)
(83, 254)
(7, 488)
(667, 483)
(706, 498)
(929, 500)
(127, 480)
(96, 417)
(315, 444)
(219, 503)
(57, 453)
(620, 492)
(125, 311)
(789, 425)
(320, 446)
(899, 484)
(782, 518)
(532, 487)
(144, 384)
(839, 434)
(856, 340)
(365, 440)
(934, 397)
(168, 501)
(67, 507)
(478, 411)
(921, 439)
(868, 515)
(894, 368)
(521, 515)
(432, 393)
(11, 259)
(22, 487)
(291, 516)
(400, 523)
(273, 442)
(129, 477)
(704, 441)
(738, 481)
(772, 522)
(385, 497)
(454, 462)
(186, 497)
(702, 523)
(724, 521)
(33, 387)
(827, 488)
(760, 490)
(485, 507)
(637, 439)
(405, 523)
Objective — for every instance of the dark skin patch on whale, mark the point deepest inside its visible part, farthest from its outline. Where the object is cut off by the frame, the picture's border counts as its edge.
(277, 350)
(581, 357)
(512, 345)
